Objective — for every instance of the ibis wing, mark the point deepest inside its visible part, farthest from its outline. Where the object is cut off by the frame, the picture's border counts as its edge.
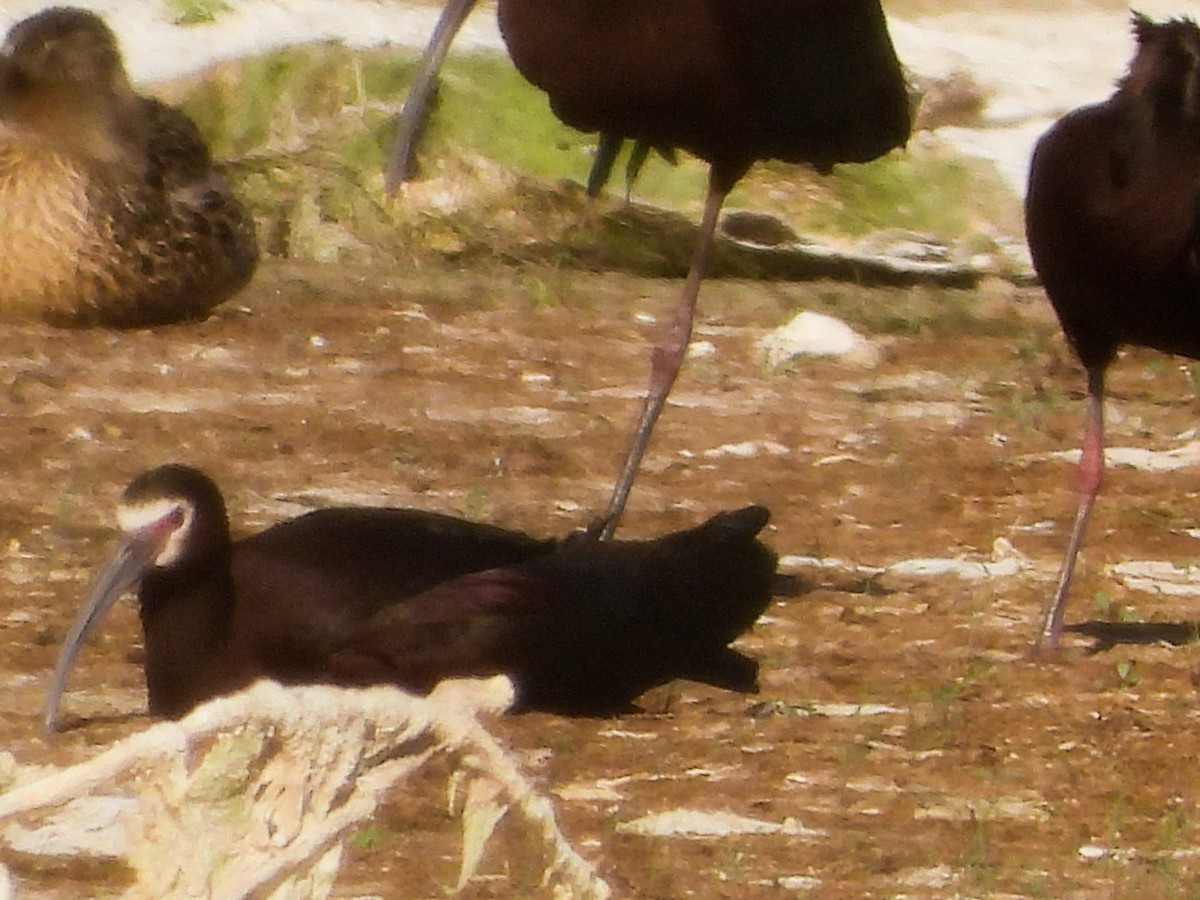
(477, 624)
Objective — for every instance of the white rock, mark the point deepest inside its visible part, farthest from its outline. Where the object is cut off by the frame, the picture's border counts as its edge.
(1147, 460)
(1157, 577)
(815, 334)
(799, 882)
(747, 450)
(695, 823)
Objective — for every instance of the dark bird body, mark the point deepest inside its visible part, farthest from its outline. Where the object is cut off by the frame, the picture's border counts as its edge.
(111, 212)
(812, 81)
(1113, 227)
(731, 81)
(413, 118)
(358, 596)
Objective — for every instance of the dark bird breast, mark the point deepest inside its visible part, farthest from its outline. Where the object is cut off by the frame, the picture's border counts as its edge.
(1111, 217)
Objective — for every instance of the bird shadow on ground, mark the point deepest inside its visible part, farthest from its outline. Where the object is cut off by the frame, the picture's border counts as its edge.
(1107, 635)
(792, 586)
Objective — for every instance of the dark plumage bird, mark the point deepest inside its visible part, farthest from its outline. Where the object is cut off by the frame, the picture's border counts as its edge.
(110, 210)
(358, 596)
(410, 124)
(1112, 222)
(805, 81)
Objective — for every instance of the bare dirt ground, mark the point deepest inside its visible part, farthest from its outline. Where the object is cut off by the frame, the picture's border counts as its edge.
(902, 745)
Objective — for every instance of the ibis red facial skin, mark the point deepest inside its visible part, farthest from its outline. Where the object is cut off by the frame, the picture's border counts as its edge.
(1111, 219)
(359, 596)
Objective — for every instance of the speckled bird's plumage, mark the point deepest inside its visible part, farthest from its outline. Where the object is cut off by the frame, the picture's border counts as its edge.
(111, 212)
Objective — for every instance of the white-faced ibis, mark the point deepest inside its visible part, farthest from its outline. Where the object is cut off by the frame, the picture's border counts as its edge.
(1111, 217)
(110, 210)
(357, 596)
(807, 81)
(813, 82)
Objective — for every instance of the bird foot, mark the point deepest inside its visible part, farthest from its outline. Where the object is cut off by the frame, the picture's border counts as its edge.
(1044, 652)
(597, 530)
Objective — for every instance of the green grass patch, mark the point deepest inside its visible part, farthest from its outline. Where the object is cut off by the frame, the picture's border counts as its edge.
(485, 107)
(1027, 406)
(912, 312)
(935, 715)
(927, 191)
(368, 838)
(308, 130)
(195, 12)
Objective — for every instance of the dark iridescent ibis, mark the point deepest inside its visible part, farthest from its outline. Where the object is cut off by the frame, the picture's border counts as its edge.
(805, 81)
(414, 116)
(1111, 218)
(111, 212)
(358, 596)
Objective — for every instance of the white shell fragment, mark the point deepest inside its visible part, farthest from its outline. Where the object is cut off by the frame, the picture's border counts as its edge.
(815, 334)
(694, 823)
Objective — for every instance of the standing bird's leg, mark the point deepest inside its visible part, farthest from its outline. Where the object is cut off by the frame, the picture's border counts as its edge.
(666, 358)
(1091, 471)
(411, 121)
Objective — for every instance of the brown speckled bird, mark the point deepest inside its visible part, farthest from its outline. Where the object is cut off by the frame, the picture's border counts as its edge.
(110, 210)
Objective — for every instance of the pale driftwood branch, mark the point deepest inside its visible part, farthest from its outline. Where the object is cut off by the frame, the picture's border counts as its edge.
(256, 794)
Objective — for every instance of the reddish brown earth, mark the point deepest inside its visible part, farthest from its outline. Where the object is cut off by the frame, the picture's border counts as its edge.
(506, 394)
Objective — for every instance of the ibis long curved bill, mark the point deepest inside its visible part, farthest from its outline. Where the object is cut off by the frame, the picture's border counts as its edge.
(135, 555)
